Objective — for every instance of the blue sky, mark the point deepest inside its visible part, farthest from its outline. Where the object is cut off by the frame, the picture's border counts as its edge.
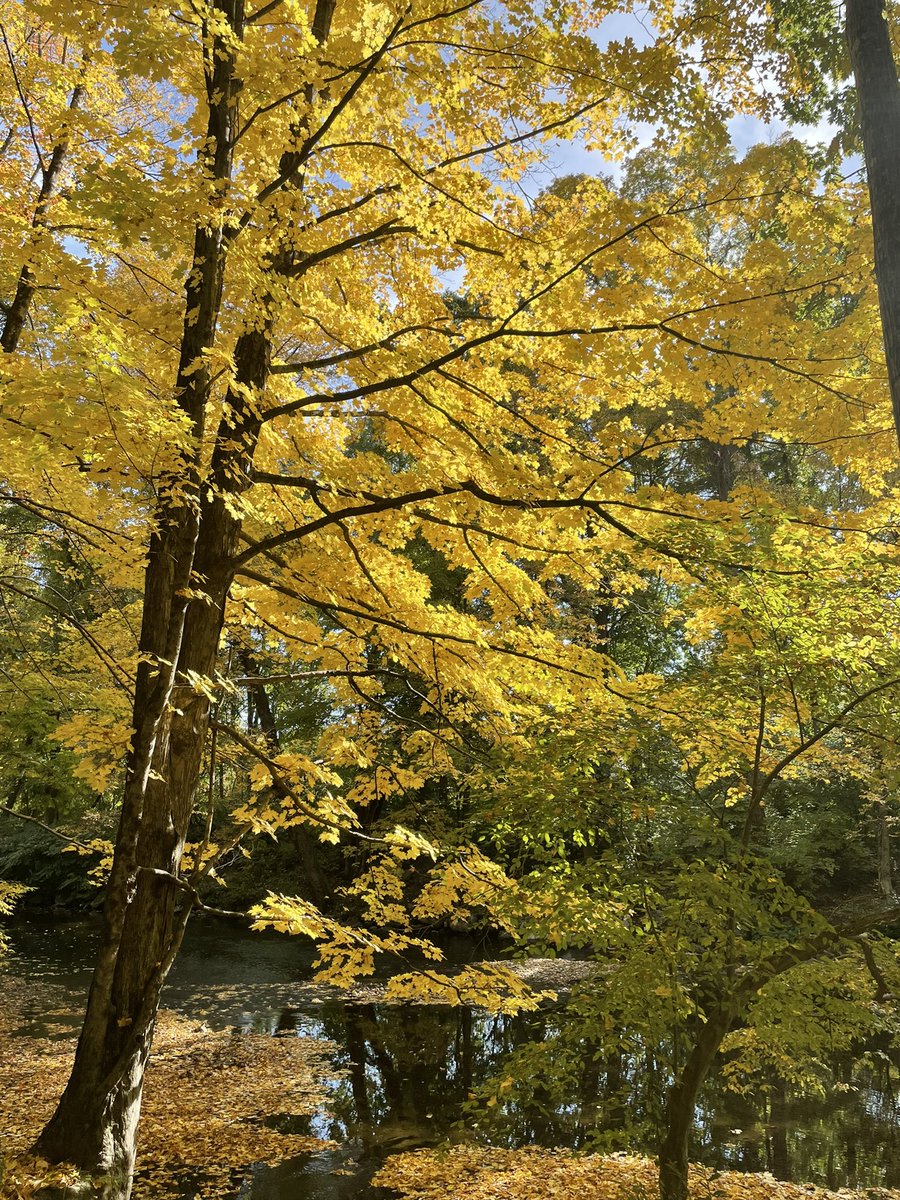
(745, 131)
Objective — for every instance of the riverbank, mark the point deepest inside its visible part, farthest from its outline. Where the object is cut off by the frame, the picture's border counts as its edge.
(406, 1076)
(533, 1173)
(215, 1105)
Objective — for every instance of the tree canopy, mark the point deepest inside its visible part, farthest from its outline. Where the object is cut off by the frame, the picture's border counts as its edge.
(521, 543)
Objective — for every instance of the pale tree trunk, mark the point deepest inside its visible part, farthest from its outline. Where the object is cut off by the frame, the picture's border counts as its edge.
(875, 72)
(885, 864)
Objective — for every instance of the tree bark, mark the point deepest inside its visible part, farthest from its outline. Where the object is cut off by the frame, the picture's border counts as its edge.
(681, 1102)
(875, 72)
(95, 1123)
(194, 549)
(885, 863)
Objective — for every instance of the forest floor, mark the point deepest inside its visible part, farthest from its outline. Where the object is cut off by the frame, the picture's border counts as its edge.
(487, 1173)
(210, 1100)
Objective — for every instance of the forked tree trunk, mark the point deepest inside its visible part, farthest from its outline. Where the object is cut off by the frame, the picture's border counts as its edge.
(681, 1103)
(95, 1123)
(194, 550)
(869, 44)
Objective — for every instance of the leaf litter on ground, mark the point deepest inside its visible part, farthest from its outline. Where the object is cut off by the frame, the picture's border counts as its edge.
(487, 1173)
(207, 1096)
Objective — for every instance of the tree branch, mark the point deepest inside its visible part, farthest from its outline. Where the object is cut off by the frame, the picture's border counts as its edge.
(11, 812)
(333, 360)
(380, 233)
(803, 746)
(294, 159)
(374, 618)
(882, 991)
(296, 676)
(284, 788)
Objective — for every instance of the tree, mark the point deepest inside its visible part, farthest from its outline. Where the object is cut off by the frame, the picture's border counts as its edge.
(660, 862)
(875, 73)
(807, 36)
(228, 292)
(777, 686)
(642, 834)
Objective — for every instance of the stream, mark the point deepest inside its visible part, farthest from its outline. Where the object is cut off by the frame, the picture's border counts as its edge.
(403, 1073)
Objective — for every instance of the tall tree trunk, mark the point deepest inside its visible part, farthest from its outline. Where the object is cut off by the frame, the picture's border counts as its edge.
(95, 1123)
(885, 864)
(681, 1102)
(869, 45)
(194, 548)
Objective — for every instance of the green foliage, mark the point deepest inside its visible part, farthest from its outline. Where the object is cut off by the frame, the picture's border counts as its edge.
(32, 856)
(810, 32)
(9, 894)
(819, 838)
(801, 1020)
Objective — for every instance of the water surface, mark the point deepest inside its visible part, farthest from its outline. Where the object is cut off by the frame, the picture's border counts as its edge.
(403, 1075)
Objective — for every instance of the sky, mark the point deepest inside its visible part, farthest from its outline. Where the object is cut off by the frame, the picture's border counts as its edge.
(570, 157)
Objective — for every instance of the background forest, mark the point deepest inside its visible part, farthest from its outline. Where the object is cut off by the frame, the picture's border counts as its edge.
(402, 531)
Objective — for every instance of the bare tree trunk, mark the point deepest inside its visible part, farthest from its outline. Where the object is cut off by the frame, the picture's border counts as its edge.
(883, 835)
(868, 42)
(681, 1102)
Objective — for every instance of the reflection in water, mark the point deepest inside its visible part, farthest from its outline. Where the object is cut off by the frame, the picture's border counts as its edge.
(408, 1073)
(404, 1075)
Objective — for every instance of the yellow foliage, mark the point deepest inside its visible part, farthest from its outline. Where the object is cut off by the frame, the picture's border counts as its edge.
(9, 894)
(489, 986)
(447, 376)
(99, 871)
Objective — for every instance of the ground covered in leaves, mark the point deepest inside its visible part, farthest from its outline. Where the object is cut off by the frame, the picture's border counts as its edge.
(215, 1102)
(482, 1173)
